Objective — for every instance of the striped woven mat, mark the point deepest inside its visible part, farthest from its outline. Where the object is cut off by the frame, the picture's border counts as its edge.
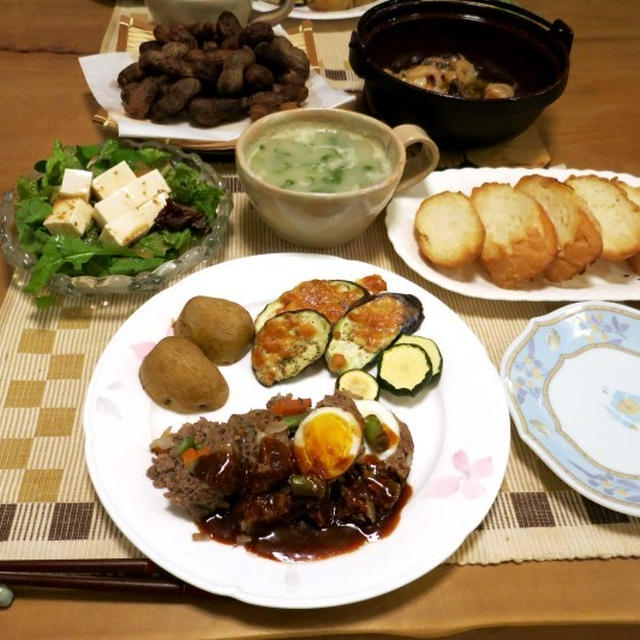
(48, 508)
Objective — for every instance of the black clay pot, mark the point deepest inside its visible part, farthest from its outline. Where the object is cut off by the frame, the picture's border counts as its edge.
(506, 44)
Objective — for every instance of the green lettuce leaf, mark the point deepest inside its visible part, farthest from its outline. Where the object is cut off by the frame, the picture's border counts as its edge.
(29, 215)
(28, 188)
(163, 242)
(62, 158)
(129, 266)
(67, 251)
(112, 153)
(188, 188)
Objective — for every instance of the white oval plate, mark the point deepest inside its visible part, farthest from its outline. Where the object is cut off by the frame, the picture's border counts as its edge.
(602, 280)
(460, 429)
(573, 384)
(303, 12)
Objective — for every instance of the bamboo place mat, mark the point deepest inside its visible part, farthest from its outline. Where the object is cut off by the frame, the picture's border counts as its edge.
(48, 508)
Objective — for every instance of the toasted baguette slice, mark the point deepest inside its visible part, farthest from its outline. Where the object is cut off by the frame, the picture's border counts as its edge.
(633, 193)
(578, 233)
(448, 229)
(520, 240)
(619, 218)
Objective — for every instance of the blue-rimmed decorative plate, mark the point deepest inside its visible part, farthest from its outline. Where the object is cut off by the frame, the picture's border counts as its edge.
(573, 385)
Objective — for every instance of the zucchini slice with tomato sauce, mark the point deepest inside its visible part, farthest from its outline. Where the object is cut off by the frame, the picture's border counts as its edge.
(358, 338)
(331, 298)
(287, 344)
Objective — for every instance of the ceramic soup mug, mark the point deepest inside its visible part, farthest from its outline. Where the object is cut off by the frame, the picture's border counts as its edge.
(191, 11)
(320, 177)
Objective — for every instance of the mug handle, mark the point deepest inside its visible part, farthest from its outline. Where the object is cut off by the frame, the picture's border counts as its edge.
(421, 163)
(274, 16)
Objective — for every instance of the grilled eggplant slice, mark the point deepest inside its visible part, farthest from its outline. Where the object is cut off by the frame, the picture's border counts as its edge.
(331, 298)
(358, 338)
(288, 343)
(432, 350)
(404, 369)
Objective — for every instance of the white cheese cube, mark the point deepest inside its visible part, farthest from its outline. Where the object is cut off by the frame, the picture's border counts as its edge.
(133, 224)
(112, 179)
(69, 217)
(113, 206)
(147, 186)
(76, 183)
(130, 196)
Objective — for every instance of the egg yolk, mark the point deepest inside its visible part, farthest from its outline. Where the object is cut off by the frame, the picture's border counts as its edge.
(329, 445)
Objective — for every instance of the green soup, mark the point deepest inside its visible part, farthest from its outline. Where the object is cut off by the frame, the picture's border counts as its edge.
(320, 160)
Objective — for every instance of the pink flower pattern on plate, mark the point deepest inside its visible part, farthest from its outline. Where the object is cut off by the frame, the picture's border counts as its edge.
(466, 481)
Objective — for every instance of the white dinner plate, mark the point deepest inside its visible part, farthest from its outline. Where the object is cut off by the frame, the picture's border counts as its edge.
(460, 429)
(573, 383)
(302, 12)
(602, 280)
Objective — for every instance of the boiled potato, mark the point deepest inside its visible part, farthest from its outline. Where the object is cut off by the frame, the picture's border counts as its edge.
(221, 328)
(178, 376)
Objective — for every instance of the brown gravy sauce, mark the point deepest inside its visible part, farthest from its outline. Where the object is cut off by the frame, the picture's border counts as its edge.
(300, 541)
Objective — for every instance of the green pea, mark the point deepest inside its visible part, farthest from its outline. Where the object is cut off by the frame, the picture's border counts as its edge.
(183, 445)
(375, 434)
(306, 486)
(293, 421)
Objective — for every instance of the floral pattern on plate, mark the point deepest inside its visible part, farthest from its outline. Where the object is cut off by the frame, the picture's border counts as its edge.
(466, 478)
(572, 380)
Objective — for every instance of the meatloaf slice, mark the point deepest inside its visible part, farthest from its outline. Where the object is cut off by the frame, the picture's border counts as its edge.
(249, 454)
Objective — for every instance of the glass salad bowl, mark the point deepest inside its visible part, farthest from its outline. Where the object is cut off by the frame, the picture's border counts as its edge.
(193, 183)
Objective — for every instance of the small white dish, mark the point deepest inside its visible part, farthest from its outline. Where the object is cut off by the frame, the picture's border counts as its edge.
(603, 280)
(572, 379)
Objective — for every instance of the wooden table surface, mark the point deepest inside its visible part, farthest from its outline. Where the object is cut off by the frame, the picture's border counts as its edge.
(594, 125)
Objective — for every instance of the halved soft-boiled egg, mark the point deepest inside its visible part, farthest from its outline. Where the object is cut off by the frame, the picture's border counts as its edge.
(327, 442)
(382, 430)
